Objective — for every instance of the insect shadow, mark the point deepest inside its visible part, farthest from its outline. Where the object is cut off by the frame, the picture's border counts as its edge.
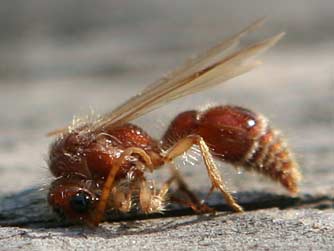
(29, 209)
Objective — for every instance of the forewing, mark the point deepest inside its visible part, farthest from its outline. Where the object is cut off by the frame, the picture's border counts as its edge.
(213, 67)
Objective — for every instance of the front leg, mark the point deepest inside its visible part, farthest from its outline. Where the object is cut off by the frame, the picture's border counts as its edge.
(150, 200)
(184, 145)
(110, 180)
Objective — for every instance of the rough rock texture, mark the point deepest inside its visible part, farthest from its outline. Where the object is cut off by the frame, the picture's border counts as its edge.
(57, 71)
(271, 229)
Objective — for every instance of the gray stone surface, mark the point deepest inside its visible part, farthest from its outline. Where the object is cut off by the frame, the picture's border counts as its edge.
(56, 66)
(271, 229)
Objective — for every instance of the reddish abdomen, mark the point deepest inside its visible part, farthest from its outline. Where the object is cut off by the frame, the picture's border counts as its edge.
(241, 137)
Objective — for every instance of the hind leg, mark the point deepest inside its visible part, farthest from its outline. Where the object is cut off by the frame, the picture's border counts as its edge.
(217, 182)
(193, 201)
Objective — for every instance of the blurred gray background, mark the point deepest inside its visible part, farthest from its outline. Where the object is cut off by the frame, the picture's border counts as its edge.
(64, 58)
(42, 40)
(68, 57)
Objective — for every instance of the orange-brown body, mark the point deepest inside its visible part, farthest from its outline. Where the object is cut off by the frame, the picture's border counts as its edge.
(81, 160)
(103, 164)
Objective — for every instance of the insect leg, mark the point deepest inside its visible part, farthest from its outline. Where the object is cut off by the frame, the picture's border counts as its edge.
(193, 202)
(185, 144)
(151, 201)
(108, 185)
(121, 198)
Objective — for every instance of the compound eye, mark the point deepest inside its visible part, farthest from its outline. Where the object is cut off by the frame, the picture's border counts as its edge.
(81, 202)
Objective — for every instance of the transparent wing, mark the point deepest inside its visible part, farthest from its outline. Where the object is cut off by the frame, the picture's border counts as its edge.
(213, 67)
